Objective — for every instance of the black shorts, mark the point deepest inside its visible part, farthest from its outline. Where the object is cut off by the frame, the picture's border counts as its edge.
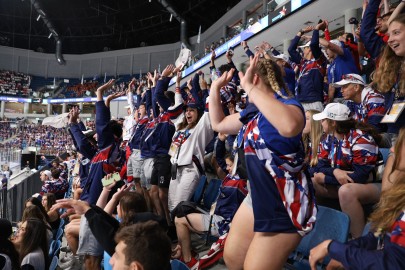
(161, 174)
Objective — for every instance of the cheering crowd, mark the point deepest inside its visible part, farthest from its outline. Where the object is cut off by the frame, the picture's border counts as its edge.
(285, 134)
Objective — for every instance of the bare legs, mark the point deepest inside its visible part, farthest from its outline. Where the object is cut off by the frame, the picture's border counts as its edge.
(352, 196)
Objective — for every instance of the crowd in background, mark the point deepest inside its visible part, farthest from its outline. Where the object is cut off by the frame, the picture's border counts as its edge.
(342, 113)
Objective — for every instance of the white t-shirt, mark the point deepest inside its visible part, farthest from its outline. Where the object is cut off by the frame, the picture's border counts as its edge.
(35, 259)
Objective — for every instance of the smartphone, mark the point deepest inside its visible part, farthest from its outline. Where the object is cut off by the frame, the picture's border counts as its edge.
(115, 177)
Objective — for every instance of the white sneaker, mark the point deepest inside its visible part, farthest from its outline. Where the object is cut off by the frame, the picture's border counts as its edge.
(68, 262)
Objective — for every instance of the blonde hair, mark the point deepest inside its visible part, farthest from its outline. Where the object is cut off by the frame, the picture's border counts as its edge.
(390, 68)
(271, 75)
(314, 137)
(392, 201)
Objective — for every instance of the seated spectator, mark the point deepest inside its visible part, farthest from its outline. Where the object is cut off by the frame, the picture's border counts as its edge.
(8, 253)
(52, 183)
(34, 211)
(233, 191)
(366, 105)
(48, 200)
(32, 245)
(348, 154)
(312, 135)
(383, 247)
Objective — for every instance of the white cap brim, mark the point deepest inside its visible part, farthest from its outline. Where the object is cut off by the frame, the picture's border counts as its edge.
(319, 116)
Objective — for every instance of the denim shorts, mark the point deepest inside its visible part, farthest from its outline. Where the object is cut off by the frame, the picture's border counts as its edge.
(88, 245)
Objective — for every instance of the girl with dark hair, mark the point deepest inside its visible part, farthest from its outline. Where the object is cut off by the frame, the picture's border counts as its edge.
(272, 219)
(49, 199)
(384, 246)
(34, 211)
(37, 202)
(8, 253)
(188, 144)
(347, 160)
(32, 244)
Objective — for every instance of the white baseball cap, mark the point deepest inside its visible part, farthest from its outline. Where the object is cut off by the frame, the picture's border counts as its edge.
(305, 45)
(336, 42)
(281, 57)
(47, 173)
(334, 111)
(349, 78)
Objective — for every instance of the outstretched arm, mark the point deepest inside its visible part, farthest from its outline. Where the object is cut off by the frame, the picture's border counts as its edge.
(229, 124)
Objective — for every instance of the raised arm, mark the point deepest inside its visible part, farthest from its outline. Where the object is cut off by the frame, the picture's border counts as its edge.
(372, 42)
(229, 124)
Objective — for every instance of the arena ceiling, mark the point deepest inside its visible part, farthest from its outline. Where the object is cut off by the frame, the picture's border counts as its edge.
(88, 26)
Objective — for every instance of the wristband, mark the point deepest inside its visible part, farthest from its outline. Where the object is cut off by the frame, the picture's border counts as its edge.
(246, 47)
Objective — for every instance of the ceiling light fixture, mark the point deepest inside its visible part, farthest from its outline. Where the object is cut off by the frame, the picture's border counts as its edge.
(50, 35)
(39, 17)
(171, 17)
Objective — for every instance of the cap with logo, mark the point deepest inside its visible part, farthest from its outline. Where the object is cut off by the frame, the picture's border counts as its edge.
(334, 111)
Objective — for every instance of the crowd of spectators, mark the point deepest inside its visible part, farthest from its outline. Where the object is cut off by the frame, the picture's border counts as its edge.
(6, 131)
(48, 140)
(290, 133)
(79, 90)
(14, 83)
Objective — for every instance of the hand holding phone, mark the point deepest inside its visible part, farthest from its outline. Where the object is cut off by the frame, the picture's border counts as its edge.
(110, 178)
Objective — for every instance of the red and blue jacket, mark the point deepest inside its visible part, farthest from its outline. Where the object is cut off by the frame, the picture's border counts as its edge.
(356, 152)
(309, 86)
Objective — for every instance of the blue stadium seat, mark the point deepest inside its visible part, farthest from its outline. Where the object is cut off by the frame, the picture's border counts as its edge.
(59, 234)
(211, 193)
(54, 263)
(330, 224)
(199, 192)
(54, 248)
(178, 265)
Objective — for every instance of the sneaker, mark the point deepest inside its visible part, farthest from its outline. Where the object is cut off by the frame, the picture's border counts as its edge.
(65, 249)
(68, 262)
(192, 264)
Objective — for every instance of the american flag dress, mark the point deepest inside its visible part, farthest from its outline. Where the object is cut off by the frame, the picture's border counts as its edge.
(281, 189)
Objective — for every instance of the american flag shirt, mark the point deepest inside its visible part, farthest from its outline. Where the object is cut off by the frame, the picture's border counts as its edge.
(371, 108)
(281, 160)
(357, 152)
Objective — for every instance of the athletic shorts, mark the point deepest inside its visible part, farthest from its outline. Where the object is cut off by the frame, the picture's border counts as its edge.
(147, 171)
(161, 173)
(214, 223)
(135, 164)
(88, 244)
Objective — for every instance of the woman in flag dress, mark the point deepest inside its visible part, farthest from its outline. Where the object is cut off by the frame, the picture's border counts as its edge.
(280, 208)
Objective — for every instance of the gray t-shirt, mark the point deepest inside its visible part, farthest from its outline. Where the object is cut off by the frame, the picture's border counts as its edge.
(5, 262)
(34, 260)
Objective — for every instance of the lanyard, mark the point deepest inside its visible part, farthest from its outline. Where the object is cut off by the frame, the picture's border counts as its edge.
(336, 153)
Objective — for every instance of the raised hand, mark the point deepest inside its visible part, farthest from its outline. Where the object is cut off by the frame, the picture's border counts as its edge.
(246, 80)
(223, 80)
(307, 29)
(321, 26)
(178, 79)
(106, 86)
(74, 114)
(265, 46)
(168, 71)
